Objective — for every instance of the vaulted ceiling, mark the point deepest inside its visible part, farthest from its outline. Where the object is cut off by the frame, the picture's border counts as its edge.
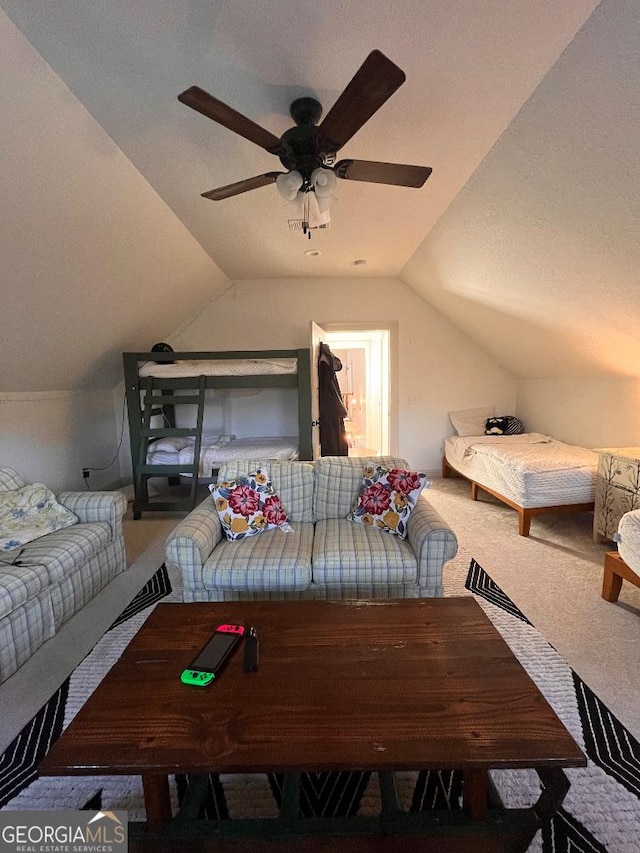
(469, 67)
(523, 108)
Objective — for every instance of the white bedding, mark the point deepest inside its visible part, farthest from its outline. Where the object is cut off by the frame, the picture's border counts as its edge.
(226, 450)
(531, 469)
(221, 367)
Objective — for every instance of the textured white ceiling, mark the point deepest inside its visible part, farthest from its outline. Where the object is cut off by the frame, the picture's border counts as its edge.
(470, 66)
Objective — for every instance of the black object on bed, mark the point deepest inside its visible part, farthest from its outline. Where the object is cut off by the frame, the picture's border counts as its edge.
(157, 381)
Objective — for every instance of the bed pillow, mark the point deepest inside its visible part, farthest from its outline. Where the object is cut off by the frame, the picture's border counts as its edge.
(248, 505)
(471, 421)
(504, 425)
(29, 513)
(169, 444)
(386, 498)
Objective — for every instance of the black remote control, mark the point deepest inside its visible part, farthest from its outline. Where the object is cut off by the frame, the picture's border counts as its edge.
(251, 654)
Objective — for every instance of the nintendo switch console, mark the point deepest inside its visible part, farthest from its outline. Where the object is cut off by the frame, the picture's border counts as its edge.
(210, 660)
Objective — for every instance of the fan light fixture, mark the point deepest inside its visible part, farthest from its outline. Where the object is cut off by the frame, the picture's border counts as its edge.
(288, 185)
(315, 195)
(324, 182)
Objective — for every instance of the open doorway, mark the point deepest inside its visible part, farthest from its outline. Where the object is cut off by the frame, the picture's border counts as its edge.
(365, 386)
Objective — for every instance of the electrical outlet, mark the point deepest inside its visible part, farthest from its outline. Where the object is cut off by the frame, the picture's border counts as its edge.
(85, 473)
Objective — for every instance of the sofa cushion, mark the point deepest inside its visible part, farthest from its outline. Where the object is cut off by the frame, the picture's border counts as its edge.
(273, 561)
(346, 553)
(18, 584)
(293, 482)
(338, 480)
(62, 551)
(23, 631)
(10, 479)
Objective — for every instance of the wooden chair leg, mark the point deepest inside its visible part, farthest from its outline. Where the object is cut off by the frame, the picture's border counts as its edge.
(611, 580)
(611, 585)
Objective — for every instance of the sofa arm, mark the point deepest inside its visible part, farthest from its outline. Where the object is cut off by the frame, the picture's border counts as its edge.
(96, 506)
(432, 540)
(192, 541)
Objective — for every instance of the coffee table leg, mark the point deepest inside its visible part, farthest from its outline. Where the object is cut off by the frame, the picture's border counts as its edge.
(157, 800)
(475, 792)
(290, 805)
(555, 786)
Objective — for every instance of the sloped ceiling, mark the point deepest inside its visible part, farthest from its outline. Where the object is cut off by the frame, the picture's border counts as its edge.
(538, 256)
(469, 65)
(525, 235)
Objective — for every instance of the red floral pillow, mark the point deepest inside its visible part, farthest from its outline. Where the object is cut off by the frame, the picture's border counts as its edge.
(386, 498)
(248, 505)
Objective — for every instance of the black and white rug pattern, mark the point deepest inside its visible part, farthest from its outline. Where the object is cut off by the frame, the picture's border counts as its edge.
(600, 814)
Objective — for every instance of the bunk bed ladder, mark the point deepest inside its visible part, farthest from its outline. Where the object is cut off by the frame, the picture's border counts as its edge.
(154, 401)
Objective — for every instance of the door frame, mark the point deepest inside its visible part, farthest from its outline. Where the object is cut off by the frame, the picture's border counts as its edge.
(390, 326)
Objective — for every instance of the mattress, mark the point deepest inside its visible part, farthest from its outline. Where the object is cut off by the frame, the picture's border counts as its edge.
(212, 455)
(220, 367)
(628, 539)
(532, 469)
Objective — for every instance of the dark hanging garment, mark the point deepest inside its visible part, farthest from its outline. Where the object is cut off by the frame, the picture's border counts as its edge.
(333, 436)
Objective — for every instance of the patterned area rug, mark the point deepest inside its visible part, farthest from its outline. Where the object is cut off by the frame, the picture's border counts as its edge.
(600, 814)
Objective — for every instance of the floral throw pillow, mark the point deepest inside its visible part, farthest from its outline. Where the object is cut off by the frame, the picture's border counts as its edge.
(386, 498)
(248, 505)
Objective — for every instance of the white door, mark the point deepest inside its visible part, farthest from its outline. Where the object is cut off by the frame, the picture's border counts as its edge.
(318, 335)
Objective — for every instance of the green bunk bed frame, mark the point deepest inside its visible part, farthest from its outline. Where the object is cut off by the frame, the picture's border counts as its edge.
(148, 396)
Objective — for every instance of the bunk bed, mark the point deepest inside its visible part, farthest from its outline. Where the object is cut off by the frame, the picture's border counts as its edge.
(157, 382)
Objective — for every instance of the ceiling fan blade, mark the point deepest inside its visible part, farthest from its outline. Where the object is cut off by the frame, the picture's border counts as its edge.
(204, 103)
(242, 186)
(398, 174)
(374, 82)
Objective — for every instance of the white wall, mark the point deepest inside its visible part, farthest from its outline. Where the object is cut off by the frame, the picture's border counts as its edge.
(51, 436)
(436, 363)
(93, 263)
(601, 412)
(537, 257)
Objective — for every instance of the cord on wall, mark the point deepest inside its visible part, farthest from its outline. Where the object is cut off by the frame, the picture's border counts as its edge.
(86, 472)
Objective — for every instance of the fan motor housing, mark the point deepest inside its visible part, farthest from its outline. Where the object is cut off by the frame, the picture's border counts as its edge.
(306, 111)
(301, 149)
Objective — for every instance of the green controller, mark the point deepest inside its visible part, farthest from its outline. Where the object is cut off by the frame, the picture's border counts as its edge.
(199, 679)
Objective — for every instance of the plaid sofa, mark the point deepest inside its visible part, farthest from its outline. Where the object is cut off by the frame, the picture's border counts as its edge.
(325, 556)
(45, 582)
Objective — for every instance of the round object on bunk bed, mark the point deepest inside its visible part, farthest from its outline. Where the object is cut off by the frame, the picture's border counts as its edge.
(162, 347)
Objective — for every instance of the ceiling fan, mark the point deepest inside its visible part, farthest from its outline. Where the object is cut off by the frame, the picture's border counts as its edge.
(308, 150)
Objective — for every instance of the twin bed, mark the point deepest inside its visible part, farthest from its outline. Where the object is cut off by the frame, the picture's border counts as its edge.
(530, 472)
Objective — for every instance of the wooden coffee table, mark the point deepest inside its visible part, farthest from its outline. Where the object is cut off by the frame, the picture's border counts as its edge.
(385, 685)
